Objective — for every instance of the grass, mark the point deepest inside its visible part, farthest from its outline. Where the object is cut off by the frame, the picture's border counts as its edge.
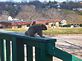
(63, 31)
(17, 29)
(54, 31)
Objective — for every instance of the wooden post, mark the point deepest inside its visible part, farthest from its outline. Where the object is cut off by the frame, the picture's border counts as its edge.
(41, 53)
(29, 53)
(7, 50)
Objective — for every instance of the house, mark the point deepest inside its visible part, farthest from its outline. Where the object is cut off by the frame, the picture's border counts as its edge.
(24, 24)
(49, 22)
(75, 23)
(63, 22)
(14, 24)
(71, 23)
(10, 18)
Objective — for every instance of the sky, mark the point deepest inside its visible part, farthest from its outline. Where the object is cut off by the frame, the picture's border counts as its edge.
(40, 0)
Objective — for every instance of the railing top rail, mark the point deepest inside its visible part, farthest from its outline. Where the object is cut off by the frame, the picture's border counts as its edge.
(22, 35)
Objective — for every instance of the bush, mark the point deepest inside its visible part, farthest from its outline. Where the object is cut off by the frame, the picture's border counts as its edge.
(68, 25)
(80, 25)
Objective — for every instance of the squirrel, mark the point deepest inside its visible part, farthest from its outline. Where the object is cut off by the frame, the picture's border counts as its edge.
(36, 29)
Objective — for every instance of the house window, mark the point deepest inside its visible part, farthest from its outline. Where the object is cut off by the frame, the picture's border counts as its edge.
(19, 26)
(52, 25)
(28, 25)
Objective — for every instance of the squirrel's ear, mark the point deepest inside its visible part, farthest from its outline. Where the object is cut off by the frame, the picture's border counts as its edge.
(44, 27)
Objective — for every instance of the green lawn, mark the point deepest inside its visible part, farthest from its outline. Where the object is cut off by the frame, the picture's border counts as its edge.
(55, 31)
(63, 31)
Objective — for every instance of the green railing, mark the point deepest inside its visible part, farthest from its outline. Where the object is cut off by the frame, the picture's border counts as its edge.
(44, 48)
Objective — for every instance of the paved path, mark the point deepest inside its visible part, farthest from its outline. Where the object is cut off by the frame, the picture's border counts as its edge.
(70, 43)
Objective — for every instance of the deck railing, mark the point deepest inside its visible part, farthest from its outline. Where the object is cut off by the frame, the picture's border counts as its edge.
(44, 48)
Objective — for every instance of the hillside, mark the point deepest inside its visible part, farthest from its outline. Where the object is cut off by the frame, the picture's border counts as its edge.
(33, 12)
(30, 13)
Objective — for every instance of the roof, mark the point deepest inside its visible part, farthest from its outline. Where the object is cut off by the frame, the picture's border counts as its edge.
(16, 22)
(21, 23)
(39, 21)
(48, 20)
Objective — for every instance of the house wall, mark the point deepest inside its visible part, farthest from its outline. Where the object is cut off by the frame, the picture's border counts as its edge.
(53, 25)
(14, 27)
(19, 26)
(6, 25)
(24, 26)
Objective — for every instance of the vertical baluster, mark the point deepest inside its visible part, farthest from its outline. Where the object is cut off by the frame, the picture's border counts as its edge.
(29, 53)
(1, 50)
(17, 50)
